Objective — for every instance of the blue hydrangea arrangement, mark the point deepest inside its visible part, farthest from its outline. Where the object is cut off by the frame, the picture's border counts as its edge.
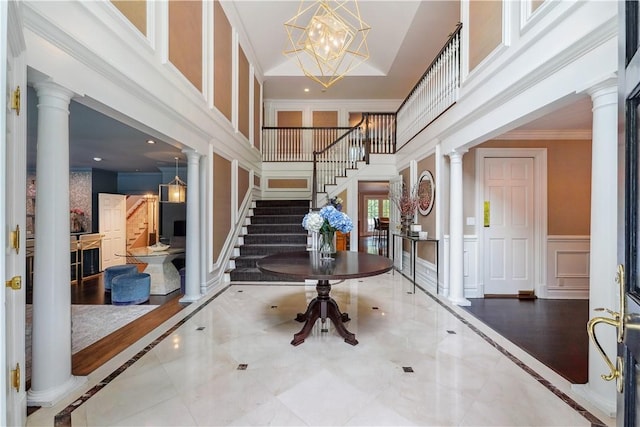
(328, 219)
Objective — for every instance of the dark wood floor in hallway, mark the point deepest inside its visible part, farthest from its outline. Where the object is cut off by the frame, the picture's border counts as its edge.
(552, 331)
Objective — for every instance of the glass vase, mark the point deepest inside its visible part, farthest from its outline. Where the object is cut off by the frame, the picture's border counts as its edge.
(327, 244)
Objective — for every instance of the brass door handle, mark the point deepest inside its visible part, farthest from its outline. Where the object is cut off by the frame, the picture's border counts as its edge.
(620, 321)
(614, 372)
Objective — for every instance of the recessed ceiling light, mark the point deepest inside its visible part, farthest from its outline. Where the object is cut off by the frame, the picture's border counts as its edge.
(150, 141)
(306, 89)
(97, 159)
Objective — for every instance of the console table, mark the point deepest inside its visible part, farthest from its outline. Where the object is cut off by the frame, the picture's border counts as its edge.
(308, 265)
(414, 241)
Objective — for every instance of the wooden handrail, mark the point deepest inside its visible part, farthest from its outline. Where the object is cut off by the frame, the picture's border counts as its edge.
(426, 72)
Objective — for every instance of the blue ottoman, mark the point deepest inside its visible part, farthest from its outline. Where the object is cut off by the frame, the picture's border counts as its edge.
(128, 289)
(116, 270)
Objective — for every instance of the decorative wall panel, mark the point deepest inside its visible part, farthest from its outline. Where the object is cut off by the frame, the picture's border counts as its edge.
(135, 11)
(243, 93)
(221, 203)
(222, 61)
(185, 39)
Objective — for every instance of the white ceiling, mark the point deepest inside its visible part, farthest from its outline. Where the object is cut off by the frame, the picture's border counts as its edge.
(405, 37)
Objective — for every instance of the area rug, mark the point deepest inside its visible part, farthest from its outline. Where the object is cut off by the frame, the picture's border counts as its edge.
(90, 323)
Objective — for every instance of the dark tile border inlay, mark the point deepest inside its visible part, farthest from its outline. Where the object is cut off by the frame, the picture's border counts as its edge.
(407, 369)
(63, 418)
(242, 367)
(595, 421)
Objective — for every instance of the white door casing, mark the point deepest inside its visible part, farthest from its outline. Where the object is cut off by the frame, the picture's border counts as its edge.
(13, 211)
(513, 255)
(112, 225)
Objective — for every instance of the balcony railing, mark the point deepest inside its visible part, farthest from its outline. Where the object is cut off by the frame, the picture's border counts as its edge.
(297, 144)
(435, 92)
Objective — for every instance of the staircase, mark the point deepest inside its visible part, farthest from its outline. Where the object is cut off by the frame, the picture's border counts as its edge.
(275, 226)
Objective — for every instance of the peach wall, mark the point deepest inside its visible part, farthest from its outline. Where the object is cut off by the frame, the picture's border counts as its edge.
(243, 93)
(485, 29)
(222, 61)
(185, 39)
(221, 203)
(135, 11)
(325, 118)
(243, 184)
(287, 183)
(291, 142)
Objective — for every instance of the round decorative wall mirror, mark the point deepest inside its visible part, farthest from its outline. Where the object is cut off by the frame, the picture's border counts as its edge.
(427, 192)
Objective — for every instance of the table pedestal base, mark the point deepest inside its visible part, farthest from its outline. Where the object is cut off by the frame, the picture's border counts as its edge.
(321, 307)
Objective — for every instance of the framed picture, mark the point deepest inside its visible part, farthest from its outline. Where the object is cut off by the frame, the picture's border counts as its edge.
(427, 192)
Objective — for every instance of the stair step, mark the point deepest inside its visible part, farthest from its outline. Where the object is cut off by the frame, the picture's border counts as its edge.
(276, 228)
(274, 203)
(277, 219)
(269, 249)
(268, 238)
(281, 210)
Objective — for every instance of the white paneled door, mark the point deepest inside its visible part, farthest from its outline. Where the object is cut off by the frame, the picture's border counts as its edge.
(112, 211)
(508, 225)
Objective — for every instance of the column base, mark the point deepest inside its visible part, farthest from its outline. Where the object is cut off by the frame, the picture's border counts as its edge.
(51, 397)
(604, 404)
(188, 299)
(460, 301)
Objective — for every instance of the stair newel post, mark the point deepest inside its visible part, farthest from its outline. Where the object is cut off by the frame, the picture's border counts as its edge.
(314, 184)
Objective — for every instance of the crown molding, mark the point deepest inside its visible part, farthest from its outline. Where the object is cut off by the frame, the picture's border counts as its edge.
(564, 134)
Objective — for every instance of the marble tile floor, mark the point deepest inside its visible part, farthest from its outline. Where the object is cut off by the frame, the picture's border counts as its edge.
(188, 371)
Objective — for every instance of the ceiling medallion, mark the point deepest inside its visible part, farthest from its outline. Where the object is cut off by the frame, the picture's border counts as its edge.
(328, 39)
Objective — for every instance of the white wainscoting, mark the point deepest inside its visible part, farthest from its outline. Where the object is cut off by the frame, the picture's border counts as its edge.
(567, 268)
(471, 277)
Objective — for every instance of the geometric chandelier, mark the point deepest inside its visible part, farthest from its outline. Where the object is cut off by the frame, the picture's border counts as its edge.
(328, 39)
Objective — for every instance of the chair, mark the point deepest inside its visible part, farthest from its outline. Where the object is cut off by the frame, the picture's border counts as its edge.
(376, 228)
(384, 231)
(112, 272)
(129, 289)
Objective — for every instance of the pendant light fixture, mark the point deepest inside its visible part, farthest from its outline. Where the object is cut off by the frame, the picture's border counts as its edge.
(173, 192)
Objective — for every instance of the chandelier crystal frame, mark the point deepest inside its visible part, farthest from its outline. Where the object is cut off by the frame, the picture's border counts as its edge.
(328, 39)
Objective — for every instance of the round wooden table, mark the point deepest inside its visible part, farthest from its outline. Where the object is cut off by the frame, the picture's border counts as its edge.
(309, 265)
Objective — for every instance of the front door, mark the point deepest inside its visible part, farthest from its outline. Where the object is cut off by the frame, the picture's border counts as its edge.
(13, 211)
(629, 349)
(508, 225)
(112, 225)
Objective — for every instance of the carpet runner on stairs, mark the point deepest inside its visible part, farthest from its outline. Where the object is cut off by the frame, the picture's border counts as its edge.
(275, 226)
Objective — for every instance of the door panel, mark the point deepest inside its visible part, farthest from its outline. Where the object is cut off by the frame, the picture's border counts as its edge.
(113, 227)
(508, 237)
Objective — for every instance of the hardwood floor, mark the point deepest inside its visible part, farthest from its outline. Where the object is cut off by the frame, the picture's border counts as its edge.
(552, 331)
(91, 292)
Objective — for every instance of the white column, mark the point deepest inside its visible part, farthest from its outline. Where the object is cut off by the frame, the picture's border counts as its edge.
(604, 235)
(51, 377)
(456, 234)
(192, 250)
